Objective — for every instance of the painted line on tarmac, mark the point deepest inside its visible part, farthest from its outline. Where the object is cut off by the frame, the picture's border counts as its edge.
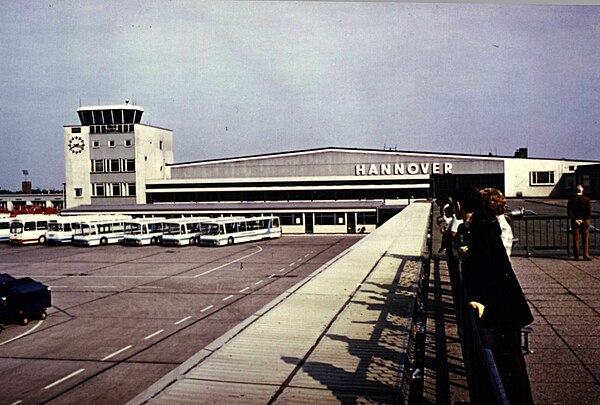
(20, 401)
(110, 356)
(228, 297)
(182, 320)
(291, 264)
(244, 289)
(55, 383)
(207, 308)
(284, 269)
(158, 332)
(154, 287)
(306, 255)
(258, 282)
(272, 275)
(227, 264)
(98, 286)
(23, 334)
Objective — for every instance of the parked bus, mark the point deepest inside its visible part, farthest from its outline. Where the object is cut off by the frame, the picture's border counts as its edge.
(227, 231)
(63, 228)
(101, 230)
(5, 229)
(182, 231)
(144, 231)
(29, 228)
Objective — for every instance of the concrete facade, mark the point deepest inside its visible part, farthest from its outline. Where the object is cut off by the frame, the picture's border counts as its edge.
(111, 155)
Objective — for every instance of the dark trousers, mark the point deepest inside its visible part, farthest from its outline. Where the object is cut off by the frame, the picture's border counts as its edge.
(508, 355)
(580, 230)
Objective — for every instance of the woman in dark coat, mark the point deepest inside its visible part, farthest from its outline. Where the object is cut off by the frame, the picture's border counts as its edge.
(492, 287)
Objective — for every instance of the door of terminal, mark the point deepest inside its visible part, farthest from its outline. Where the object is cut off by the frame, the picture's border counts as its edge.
(351, 218)
(309, 222)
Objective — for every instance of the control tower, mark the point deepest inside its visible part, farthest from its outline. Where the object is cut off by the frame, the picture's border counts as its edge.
(111, 155)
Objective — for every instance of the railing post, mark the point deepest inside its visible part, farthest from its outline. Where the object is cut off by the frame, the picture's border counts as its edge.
(568, 239)
(526, 238)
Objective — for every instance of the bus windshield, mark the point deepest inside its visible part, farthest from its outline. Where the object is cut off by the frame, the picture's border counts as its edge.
(85, 230)
(172, 229)
(133, 229)
(16, 227)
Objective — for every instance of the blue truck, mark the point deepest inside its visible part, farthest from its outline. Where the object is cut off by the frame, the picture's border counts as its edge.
(22, 299)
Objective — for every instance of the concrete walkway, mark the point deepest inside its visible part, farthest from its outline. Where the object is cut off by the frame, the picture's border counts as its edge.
(564, 366)
(564, 296)
(338, 337)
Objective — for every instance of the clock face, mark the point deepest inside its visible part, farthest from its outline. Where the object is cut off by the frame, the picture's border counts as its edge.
(76, 144)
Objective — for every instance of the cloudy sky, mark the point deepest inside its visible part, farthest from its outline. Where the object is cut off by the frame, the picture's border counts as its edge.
(243, 78)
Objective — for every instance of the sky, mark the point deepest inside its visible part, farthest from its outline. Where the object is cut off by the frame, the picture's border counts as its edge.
(244, 78)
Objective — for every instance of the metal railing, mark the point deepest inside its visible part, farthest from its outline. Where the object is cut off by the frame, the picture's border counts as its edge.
(549, 235)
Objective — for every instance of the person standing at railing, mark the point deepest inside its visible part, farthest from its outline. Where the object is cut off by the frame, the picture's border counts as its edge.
(495, 203)
(579, 211)
(492, 288)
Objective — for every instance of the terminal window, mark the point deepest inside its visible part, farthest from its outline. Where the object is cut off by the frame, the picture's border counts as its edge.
(78, 192)
(541, 178)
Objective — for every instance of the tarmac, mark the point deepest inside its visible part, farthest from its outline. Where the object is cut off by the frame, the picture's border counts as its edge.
(341, 336)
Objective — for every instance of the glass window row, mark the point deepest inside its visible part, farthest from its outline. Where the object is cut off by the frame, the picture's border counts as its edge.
(113, 190)
(113, 165)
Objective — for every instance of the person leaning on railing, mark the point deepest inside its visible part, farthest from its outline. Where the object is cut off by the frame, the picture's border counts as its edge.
(492, 288)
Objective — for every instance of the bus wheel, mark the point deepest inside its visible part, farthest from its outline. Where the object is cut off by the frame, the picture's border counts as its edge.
(192, 241)
(230, 240)
(43, 315)
(42, 239)
(154, 240)
(24, 321)
(103, 241)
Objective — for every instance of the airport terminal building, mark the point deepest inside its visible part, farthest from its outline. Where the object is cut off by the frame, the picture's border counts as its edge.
(114, 160)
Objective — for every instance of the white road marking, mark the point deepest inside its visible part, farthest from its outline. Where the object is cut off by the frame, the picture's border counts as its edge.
(282, 270)
(207, 308)
(55, 383)
(291, 264)
(272, 275)
(20, 401)
(244, 289)
(228, 297)
(117, 352)
(258, 282)
(98, 286)
(158, 332)
(306, 255)
(182, 320)
(23, 334)
(227, 264)
(149, 286)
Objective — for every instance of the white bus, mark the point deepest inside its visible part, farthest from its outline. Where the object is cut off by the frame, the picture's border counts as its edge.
(29, 228)
(182, 231)
(5, 229)
(63, 228)
(144, 231)
(101, 230)
(227, 231)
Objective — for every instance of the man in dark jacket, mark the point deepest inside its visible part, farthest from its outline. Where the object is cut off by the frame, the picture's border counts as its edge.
(493, 289)
(579, 210)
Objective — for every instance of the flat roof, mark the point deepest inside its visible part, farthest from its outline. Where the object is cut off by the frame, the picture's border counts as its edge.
(359, 150)
(223, 207)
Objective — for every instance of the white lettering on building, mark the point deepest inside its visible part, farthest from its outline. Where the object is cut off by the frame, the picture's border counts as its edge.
(387, 169)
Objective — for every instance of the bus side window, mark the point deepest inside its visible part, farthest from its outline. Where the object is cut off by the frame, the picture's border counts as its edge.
(29, 226)
(41, 225)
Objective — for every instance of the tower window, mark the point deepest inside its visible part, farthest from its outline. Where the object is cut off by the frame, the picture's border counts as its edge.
(127, 142)
(78, 192)
(111, 144)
